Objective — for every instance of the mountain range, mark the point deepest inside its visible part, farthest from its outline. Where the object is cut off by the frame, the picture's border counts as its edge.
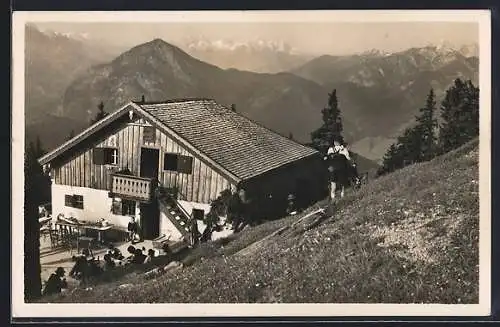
(379, 93)
(159, 71)
(260, 56)
(52, 61)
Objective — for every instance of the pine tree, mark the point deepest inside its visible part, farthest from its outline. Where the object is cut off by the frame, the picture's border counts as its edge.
(405, 151)
(331, 130)
(39, 150)
(290, 136)
(417, 143)
(71, 135)
(411, 146)
(32, 195)
(390, 160)
(100, 113)
(460, 115)
(426, 128)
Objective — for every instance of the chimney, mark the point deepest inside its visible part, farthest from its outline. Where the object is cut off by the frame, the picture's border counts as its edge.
(143, 99)
(233, 107)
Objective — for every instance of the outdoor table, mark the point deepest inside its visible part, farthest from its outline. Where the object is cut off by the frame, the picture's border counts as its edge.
(99, 229)
(43, 220)
(82, 226)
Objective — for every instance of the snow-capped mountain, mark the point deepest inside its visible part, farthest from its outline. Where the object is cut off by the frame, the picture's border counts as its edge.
(263, 56)
(68, 35)
(470, 50)
(203, 44)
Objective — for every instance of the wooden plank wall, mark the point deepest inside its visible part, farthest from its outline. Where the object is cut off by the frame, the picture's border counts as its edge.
(202, 185)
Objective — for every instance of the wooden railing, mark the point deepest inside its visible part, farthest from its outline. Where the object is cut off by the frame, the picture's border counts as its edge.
(132, 187)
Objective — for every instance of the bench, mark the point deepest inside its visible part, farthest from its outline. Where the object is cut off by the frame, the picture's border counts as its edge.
(175, 246)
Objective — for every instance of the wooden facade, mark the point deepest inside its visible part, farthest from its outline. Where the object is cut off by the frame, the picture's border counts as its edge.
(78, 168)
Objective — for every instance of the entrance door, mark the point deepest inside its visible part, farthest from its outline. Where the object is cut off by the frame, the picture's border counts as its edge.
(150, 220)
(150, 160)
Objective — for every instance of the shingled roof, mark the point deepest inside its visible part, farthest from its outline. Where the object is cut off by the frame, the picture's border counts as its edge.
(240, 145)
(235, 144)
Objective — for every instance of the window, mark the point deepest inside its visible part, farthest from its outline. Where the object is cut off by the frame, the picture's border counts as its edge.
(149, 135)
(178, 163)
(68, 200)
(170, 162)
(123, 207)
(74, 201)
(105, 156)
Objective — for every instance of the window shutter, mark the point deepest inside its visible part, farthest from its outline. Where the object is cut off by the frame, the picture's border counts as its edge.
(68, 200)
(170, 162)
(185, 164)
(116, 207)
(98, 156)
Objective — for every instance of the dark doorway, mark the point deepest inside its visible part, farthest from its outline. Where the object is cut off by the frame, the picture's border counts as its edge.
(149, 162)
(150, 220)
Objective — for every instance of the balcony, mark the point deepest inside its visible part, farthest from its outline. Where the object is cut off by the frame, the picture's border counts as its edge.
(132, 187)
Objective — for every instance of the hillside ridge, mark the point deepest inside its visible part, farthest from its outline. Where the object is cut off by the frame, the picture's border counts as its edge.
(357, 251)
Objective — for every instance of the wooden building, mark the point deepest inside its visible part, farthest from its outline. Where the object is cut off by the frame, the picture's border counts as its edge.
(114, 168)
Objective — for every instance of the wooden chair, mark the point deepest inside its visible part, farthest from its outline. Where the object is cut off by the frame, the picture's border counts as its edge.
(55, 238)
(68, 238)
(45, 232)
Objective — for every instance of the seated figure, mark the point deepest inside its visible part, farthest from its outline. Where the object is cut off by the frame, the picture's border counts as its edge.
(56, 282)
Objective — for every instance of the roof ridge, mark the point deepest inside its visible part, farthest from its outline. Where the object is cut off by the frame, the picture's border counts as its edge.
(175, 100)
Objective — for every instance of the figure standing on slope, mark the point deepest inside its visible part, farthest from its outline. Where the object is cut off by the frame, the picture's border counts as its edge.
(339, 148)
(341, 168)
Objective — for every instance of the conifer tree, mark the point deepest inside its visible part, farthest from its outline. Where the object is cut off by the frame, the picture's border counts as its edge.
(390, 160)
(405, 151)
(426, 128)
(417, 143)
(32, 199)
(40, 151)
(100, 113)
(331, 130)
(460, 115)
(71, 135)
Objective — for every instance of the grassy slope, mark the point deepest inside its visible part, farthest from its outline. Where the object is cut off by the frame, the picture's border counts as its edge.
(408, 237)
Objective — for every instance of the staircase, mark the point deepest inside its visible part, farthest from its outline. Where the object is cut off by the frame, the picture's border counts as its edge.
(176, 214)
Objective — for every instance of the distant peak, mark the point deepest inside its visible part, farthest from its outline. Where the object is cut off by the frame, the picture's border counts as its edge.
(160, 43)
(158, 40)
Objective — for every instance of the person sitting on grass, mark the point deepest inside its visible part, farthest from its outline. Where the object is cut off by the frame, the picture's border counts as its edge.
(138, 257)
(150, 256)
(109, 264)
(56, 282)
(114, 252)
(87, 254)
(131, 251)
(80, 268)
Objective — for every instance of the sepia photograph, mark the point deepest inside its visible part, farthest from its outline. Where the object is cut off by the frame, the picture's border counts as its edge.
(192, 161)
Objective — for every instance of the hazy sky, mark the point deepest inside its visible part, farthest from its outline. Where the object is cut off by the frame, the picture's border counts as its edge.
(314, 38)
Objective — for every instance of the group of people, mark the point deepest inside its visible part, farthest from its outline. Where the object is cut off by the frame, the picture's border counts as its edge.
(87, 266)
(140, 256)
